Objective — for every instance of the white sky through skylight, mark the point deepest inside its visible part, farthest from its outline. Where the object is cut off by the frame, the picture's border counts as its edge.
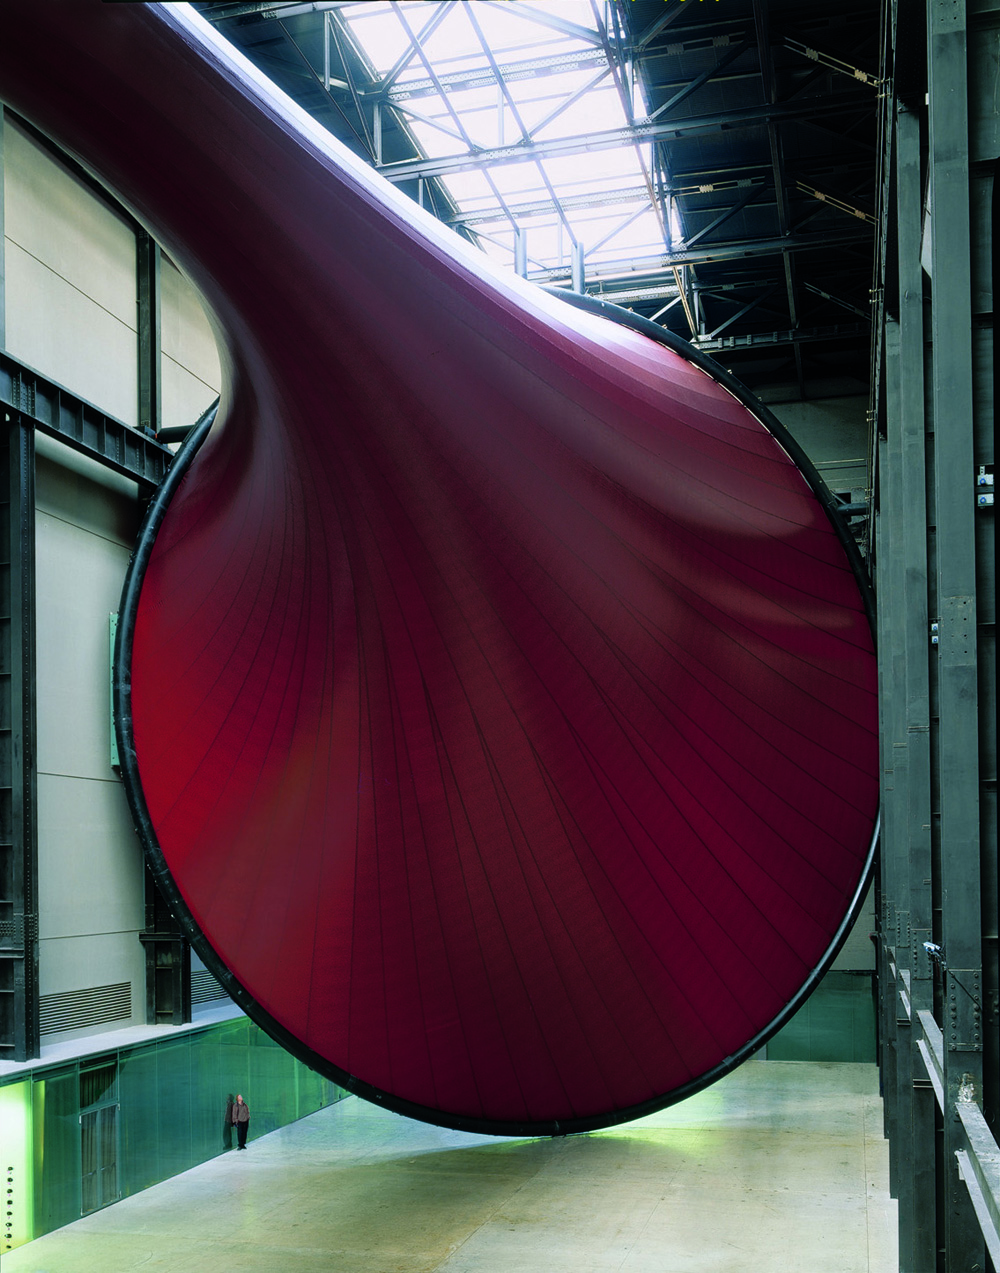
(625, 230)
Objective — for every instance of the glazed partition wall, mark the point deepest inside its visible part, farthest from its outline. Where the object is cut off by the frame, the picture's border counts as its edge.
(935, 551)
(76, 1137)
(836, 1023)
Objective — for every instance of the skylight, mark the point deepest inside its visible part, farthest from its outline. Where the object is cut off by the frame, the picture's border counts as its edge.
(479, 82)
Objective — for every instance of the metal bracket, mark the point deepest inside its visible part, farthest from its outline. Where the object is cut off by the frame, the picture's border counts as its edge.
(22, 393)
(957, 626)
(984, 486)
(920, 965)
(19, 931)
(963, 1029)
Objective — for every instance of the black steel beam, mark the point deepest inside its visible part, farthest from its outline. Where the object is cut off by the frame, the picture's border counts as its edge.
(836, 300)
(27, 397)
(798, 336)
(19, 1018)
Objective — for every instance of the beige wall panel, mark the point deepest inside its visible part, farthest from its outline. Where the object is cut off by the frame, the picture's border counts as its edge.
(68, 337)
(80, 963)
(185, 397)
(91, 882)
(834, 434)
(90, 871)
(186, 336)
(55, 218)
(84, 492)
(79, 584)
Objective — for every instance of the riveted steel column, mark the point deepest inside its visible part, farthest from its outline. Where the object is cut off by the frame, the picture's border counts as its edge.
(984, 193)
(897, 1078)
(954, 585)
(918, 1240)
(895, 912)
(19, 1024)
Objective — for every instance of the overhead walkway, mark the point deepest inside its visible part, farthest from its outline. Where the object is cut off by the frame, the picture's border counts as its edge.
(779, 1166)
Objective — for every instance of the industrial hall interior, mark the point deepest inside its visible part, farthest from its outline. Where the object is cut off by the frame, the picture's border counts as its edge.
(497, 636)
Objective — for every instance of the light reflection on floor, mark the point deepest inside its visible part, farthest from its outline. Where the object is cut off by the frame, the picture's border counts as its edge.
(781, 1166)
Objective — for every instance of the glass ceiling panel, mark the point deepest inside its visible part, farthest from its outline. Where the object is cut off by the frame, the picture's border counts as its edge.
(600, 199)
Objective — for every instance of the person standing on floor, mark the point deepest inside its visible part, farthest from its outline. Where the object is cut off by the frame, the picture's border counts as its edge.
(241, 1120)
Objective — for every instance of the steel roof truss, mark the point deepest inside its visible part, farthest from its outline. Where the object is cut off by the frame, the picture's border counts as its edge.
(755, 191)
(512, 106)
(456, 119)
(704, 78)
(742, 311)
(530, 14)
(616, 137)
(828, 296)
(832, 63)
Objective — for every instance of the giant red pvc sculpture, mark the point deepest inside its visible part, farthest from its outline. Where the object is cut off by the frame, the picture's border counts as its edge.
(502, 694)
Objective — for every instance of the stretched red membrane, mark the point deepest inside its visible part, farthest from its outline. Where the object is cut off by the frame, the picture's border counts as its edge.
(497, 695)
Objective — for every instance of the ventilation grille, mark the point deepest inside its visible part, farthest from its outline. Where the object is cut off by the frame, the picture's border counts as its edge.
(204, 987)
(73, 1009)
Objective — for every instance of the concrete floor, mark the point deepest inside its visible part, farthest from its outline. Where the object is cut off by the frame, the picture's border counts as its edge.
(781, 1166)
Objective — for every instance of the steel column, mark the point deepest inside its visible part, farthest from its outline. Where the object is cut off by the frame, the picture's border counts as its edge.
(19, 1023)
(918, 1239)
(884, 978)
(957, 752)
(148, 299)
(892, 750)
(168, 961)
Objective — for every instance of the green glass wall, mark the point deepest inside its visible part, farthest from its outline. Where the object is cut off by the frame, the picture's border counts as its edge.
(836, 1023)
(55, 1108)
(16, 1171)
(171, 1110)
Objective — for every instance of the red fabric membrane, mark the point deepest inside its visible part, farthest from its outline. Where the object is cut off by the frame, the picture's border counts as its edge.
(503, 698)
